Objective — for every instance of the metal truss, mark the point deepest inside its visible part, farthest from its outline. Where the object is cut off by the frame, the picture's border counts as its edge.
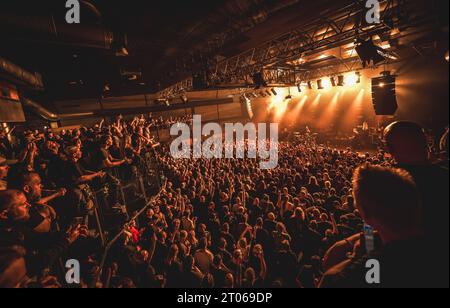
(344, 66)
(177, 89)
(283, 76)
(333, 29)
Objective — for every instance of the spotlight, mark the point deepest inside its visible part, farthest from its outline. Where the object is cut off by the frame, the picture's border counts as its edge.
(319, 84)
(368, 52)
(160, 101)
(446, 56)
(268, 93)
(288, 97)
(358, 77)
(351, 79)
(122, 52)
(341, 81)
(299, 88)
(184, 98)
(310, 85)
(165, 101)
(333, 81)
(121, 46)
(274, 91)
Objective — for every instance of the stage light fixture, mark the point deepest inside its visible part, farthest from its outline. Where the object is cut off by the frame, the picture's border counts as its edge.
(368, 52)
(358, 77)
(268, 93)
(310, 85)
(184, 98)
(351, 79)
(319, 84)
(299, 88)
(274, 91)
(122, 52)
(341, 81)
(333, 81)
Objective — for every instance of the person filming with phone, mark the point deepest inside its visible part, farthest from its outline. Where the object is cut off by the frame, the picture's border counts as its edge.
(388, 202)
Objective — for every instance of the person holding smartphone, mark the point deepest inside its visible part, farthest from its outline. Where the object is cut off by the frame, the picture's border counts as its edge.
(388, 201)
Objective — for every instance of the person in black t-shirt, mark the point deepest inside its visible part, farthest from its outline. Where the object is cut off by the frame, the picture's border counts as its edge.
(103, 159)
(219, 271)
(74, 173)
(408, 144)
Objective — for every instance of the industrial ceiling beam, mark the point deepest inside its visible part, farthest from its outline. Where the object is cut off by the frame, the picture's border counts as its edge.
(332, 30)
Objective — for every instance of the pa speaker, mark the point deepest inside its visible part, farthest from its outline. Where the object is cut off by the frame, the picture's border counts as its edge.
(384, 96)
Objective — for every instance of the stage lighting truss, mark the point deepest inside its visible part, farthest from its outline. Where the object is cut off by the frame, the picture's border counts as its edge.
(334, 29)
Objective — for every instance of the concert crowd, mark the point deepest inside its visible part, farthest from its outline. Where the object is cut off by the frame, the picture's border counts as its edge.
(222, 223)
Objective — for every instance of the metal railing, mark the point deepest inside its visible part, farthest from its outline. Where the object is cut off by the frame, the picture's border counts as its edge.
(124, 228)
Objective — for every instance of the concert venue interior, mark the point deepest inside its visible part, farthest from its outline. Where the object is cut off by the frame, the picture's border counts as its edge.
(92, 96)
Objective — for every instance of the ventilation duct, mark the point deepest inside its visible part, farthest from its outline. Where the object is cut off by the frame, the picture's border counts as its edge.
(18, 74)
(51, 30)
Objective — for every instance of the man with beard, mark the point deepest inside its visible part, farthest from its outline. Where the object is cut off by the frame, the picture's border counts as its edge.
(41, 215)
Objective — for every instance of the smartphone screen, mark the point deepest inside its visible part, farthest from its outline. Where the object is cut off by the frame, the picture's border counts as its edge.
(369, 239)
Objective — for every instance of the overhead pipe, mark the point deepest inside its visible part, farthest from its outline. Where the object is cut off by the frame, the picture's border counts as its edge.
(80, 115)
(32, 79)
(40, 110)
(49, 30)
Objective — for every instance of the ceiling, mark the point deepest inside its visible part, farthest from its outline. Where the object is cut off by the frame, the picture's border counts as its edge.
(166, 40)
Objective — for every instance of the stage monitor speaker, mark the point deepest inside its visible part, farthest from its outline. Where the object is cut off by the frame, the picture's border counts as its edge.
(384, 97)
